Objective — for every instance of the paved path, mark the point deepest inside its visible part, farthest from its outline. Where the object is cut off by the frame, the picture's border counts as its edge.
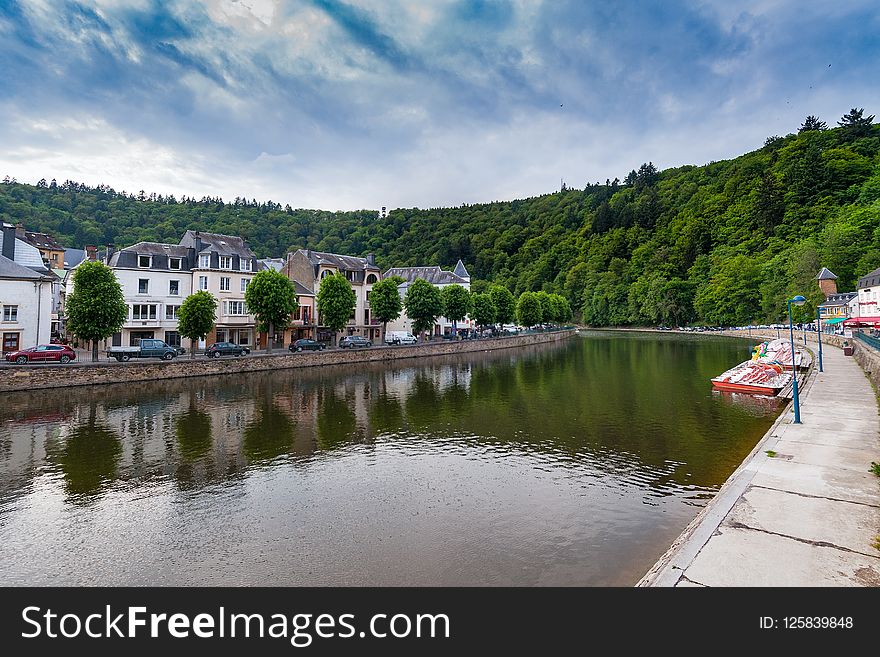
(808, 516)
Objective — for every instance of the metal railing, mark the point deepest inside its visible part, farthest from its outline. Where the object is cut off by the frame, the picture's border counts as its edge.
(867, 339)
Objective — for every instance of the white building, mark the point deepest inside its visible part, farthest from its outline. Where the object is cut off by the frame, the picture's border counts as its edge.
(224, 266)
(25, 294)
(155, 279)
(869, 298)
(437, 277)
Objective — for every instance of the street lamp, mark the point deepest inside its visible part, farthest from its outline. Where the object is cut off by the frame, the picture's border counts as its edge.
(819, 336)
(798, 301)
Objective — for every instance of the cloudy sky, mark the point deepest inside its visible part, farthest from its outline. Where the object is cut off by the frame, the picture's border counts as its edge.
(345, 104)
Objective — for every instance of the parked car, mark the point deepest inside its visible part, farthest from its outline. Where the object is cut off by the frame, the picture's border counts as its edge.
(147, 348)
(226, 349)
(400, 337)
(354, 341)
(305, 344)
(42, 353)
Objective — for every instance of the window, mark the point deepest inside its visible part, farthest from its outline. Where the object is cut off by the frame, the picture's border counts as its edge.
(368, 296)
(174, 288)
(325, 274)
(142, 311)
(143, 286)
(203, 282)
(171, 312)
(172, 338)
(371, 279)
(10, 313)
(144, 262)
(236, 308)
(297, 314)
(225, 262)
(350, 275)
(224, 283)
(245, 264)
(244, 283)
(173, 263)
(205, 261)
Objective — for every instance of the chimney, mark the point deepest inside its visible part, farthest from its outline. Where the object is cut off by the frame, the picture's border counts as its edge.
(19, 230)
(110, 251)
(9, 241)
(371, 259)
(198, 243)
(91, 253)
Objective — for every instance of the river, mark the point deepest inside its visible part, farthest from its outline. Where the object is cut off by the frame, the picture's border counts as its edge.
(574, 463)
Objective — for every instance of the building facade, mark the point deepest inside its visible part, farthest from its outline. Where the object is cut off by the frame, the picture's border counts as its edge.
(439, 278)
(224, 265)
(869, 296)
(309, 268)
(155, 279)
(26, 288)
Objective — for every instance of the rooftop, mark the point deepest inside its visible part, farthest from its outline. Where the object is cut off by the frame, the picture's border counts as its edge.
(434, 275)
(825, 274)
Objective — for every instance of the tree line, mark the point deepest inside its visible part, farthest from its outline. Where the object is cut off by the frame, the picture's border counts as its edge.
(722, 243)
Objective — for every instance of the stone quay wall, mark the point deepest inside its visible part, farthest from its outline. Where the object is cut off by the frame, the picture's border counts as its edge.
(41, 376)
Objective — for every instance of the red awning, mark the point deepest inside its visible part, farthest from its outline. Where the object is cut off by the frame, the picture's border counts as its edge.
(863, 321)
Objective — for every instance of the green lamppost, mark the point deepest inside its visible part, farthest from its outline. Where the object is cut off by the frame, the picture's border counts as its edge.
(798, 301)
(819, 335)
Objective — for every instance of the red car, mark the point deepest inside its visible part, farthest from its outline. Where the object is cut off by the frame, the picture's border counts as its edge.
(44, 353)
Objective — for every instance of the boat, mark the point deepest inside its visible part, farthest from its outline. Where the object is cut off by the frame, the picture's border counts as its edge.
(777, 351)
(753, 377)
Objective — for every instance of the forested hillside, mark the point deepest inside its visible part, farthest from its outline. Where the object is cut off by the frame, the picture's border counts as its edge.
(721, 244)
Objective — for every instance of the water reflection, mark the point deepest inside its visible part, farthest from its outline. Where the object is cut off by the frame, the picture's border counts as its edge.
(592, 453)
(88, 458)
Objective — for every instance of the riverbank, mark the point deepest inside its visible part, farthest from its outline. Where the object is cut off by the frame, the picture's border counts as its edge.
(41, 376)
(803, 509)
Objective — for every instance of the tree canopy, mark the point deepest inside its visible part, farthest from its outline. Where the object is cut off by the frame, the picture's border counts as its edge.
(456, 303)
(484, 311)
(385, 302)
(197, 315)
(96, 308)
(271, 298)
(528, 309)
(423, 305)
(336, 302)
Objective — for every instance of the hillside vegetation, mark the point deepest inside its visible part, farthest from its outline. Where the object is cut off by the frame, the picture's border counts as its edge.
(723, 243)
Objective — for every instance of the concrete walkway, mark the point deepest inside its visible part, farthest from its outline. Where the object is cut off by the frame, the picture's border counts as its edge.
(807, 516)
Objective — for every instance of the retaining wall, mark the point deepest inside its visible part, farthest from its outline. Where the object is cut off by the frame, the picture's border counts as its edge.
(34, 377)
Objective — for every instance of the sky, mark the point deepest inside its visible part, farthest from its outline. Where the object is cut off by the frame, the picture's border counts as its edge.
(353, 104)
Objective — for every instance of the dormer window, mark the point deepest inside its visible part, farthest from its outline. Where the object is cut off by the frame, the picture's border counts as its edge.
(173, 263)
(144, 261)
(225, 262)
(371, 279)
(205, 261)
(245, 264)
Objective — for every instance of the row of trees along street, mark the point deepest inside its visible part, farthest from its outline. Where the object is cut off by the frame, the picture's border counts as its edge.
(96, 308)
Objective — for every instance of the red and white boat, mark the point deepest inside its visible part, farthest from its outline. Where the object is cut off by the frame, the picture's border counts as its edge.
(753, 377)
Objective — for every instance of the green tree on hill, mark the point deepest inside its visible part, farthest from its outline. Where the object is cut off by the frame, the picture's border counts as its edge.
(505, 304)
(483, 309)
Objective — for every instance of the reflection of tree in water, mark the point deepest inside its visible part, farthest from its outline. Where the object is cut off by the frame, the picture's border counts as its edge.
(193, 433)
(270, 434)
(423, 402)
(88, 459)
(336, 421)
(386, 414)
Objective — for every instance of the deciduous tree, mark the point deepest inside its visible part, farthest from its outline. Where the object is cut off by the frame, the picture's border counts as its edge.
(197, 315)
(336, 302)
(96, 308)
(271, 298)
(385, 302)
(456, 304)
(423, 305)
